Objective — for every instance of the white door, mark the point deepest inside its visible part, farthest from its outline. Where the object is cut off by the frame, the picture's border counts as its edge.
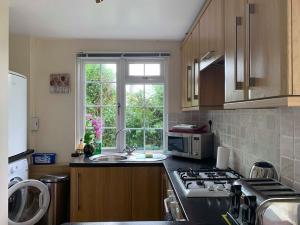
(28, 202)
(17, 114)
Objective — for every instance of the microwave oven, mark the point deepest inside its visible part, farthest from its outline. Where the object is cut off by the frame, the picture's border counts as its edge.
(190, 145)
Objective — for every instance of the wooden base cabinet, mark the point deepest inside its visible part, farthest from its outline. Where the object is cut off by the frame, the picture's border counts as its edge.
(100, 194)
(146, 194)
(115, 194)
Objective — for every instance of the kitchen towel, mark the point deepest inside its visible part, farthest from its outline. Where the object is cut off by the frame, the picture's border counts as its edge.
(222, 158)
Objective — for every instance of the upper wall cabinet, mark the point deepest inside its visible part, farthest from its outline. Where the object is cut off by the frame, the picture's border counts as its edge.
(212, 33)
(203, 84)
(262, 53)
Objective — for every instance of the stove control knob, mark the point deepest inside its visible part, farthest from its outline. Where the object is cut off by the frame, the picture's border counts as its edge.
(227, 186)
(211, 188)
(220, 187)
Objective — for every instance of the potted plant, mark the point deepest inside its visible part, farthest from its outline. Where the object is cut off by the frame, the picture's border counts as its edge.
(93, 136)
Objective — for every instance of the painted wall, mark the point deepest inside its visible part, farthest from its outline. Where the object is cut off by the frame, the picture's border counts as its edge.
(3, 107)
(57, 112)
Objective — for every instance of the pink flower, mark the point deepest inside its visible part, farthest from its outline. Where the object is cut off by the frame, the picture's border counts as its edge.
(98, 125)
(89, 117)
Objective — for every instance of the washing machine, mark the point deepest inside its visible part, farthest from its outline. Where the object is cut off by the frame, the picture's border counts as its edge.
(28, 200)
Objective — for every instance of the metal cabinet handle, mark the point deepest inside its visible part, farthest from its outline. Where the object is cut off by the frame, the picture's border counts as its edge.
(166, 205)
(251, 11)
(78, 191)
(189, 98)
(195, 79)
(238, 85)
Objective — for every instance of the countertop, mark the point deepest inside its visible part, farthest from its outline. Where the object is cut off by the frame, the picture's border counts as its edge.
(199, 211)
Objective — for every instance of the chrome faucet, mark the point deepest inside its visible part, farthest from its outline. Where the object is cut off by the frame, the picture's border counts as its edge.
(127, 149)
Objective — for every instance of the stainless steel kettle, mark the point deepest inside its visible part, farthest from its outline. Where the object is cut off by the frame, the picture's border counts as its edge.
(263, 170)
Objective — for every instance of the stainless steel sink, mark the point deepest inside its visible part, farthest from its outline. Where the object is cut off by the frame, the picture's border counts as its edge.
(107, 158)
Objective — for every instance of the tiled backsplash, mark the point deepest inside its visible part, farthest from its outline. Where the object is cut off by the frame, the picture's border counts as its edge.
(253, 135)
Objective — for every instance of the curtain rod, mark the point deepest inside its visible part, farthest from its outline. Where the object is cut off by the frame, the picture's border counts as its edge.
(120, 55)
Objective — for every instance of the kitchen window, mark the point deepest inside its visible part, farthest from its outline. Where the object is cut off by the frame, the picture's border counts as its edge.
(129, 95)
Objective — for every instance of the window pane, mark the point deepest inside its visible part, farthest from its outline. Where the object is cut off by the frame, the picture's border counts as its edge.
(154, 117)
(154, 95)
(93, 94)
(109, 94)
(134, 117)
(135, 95)
(152, 69)
(108, 72)
(154, 139)
(92, 72)
(136, 69)
(108, 138)
(135, 138)
(109, 114)
(93, 111)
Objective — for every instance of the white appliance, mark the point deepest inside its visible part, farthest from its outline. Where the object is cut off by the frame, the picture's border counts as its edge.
(28, 200)
(17, 114)
(206, 182)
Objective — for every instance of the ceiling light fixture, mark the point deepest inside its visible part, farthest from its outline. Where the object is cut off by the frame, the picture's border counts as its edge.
(99, 1)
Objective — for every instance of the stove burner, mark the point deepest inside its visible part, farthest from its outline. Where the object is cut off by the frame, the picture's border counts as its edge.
(192, 173)
(219, 182)
(200, 182)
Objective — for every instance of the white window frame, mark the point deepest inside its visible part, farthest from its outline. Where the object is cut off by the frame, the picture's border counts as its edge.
(122, 79)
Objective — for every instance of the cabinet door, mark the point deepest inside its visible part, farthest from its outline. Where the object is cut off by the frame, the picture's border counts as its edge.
(267, 34)
(146, 194)
(195, 65)
(187, 73)
(184, 76)
(100, 194)
(215, 17)
(235, 25)
(203, 36)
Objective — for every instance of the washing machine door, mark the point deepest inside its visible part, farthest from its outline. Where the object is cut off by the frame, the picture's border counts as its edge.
(28, 201)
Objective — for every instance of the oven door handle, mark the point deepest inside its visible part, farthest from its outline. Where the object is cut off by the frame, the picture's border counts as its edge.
(166, 202)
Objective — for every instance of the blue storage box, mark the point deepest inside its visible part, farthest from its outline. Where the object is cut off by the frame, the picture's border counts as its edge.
(43, 158)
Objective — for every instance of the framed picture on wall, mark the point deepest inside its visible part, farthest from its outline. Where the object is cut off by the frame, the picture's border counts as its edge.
(60, 83)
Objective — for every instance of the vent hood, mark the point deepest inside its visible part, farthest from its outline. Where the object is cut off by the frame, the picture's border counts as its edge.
(211, 58)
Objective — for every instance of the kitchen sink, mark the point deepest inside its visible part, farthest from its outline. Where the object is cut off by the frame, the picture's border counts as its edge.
(136, 157)
(107, 158)
(142, 157)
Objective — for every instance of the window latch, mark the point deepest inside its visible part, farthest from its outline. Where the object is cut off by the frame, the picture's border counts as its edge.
(119, 108)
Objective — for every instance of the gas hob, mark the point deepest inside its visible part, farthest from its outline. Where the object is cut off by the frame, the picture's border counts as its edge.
(206, 182)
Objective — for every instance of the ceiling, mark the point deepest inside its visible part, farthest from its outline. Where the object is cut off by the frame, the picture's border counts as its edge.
(111, 19)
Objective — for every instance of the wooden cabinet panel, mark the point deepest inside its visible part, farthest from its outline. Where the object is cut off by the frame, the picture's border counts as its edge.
(100, 194)
(204, 35)
(187, 73)
(186, 76)
(267, 34)
(146, 194)
(235, 24)
(195, 65)
(215, 17)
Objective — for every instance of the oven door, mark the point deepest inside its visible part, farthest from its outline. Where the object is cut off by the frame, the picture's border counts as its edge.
(179, 144)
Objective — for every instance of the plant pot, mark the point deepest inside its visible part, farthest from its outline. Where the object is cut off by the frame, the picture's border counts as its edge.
(88, 150)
